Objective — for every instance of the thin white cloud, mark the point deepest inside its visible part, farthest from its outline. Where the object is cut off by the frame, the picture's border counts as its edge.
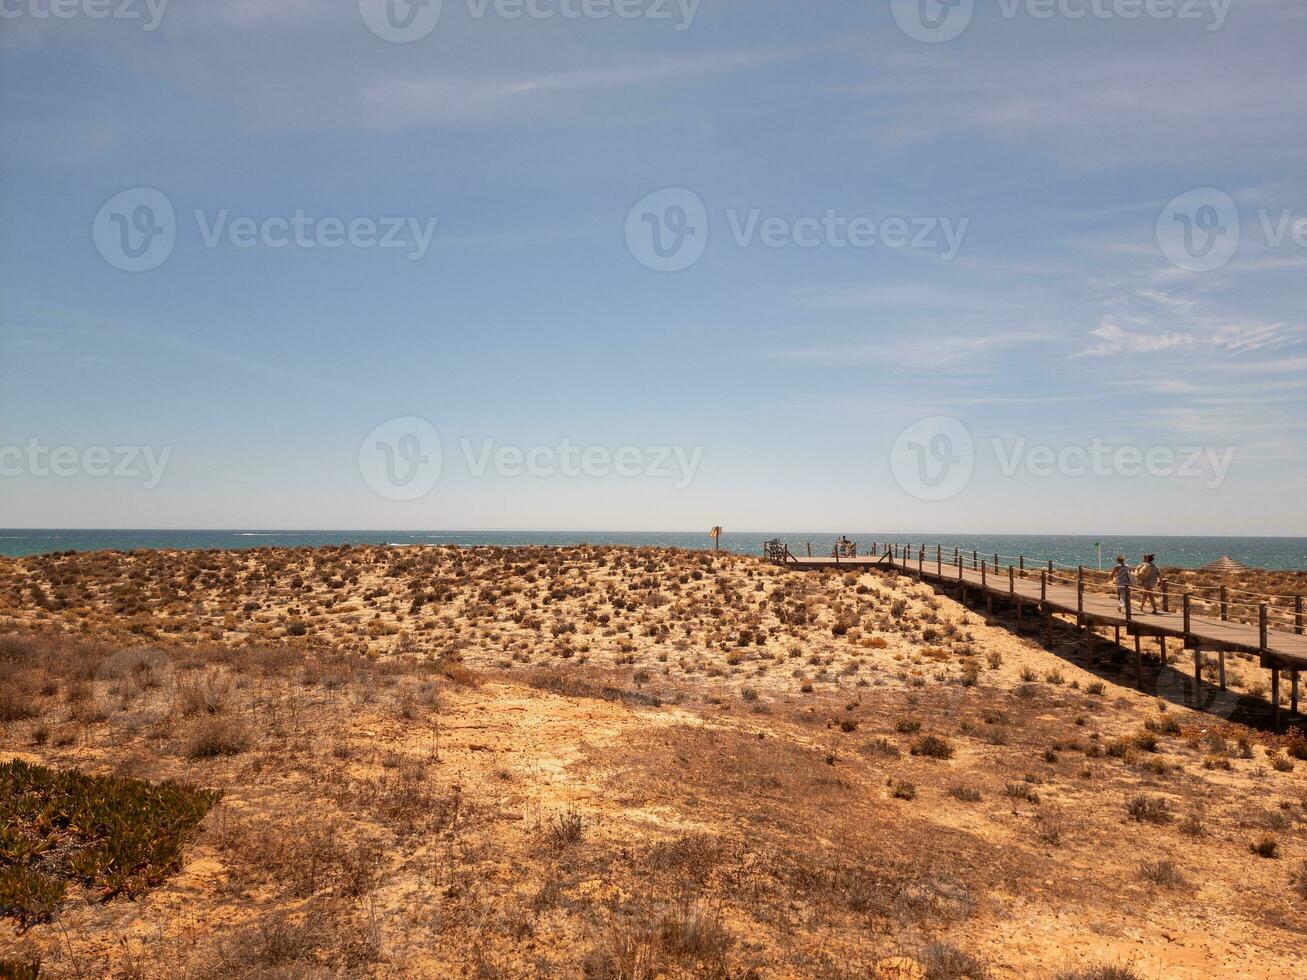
(912, 352)
(1115, 339)
(1231, 338)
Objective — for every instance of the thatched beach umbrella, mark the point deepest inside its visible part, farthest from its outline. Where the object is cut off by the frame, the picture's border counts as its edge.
(1225, 564)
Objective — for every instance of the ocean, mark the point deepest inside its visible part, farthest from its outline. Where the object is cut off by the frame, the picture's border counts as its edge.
(1184, 552)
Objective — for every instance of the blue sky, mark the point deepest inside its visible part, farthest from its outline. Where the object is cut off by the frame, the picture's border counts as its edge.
(814, 378)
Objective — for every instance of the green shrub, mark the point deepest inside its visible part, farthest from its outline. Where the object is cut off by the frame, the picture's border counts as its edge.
(29, 896)
(106, 832)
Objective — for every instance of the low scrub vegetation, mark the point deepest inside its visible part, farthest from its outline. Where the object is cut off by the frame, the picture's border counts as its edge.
(112, 835)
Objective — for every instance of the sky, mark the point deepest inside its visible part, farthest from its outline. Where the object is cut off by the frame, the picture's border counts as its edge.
(1024, 266)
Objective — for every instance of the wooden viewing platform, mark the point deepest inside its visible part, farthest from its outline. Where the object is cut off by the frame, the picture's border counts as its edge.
(1277, 639)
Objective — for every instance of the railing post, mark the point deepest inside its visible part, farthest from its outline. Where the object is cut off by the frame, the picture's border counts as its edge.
(1011, 581)
(996, 564)
(921, 561)
(1043, 586)
(983, 578)
(1166, 597)
(1225, 603)
(1186, 615)
(1022, 559)
(1128, 605)
(939, 561)
(975, 560)
(1297, 614)
(1080, 616)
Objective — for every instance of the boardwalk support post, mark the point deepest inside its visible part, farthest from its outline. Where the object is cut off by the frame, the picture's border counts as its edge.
(1139, 665)
(1275, 668)
(1187, 640)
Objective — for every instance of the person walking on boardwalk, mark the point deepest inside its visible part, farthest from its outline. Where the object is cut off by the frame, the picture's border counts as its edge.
(1148, 577)
(1120, 575)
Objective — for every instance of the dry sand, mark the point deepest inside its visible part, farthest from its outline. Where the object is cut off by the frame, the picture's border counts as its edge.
(632, 763)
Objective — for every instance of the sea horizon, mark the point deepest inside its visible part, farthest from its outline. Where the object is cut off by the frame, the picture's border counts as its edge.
(1285, 552)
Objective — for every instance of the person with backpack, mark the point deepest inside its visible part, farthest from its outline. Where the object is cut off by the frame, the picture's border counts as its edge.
(1149, 577)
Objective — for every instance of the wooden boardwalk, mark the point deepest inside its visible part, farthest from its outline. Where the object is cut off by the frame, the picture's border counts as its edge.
(1044, 591)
